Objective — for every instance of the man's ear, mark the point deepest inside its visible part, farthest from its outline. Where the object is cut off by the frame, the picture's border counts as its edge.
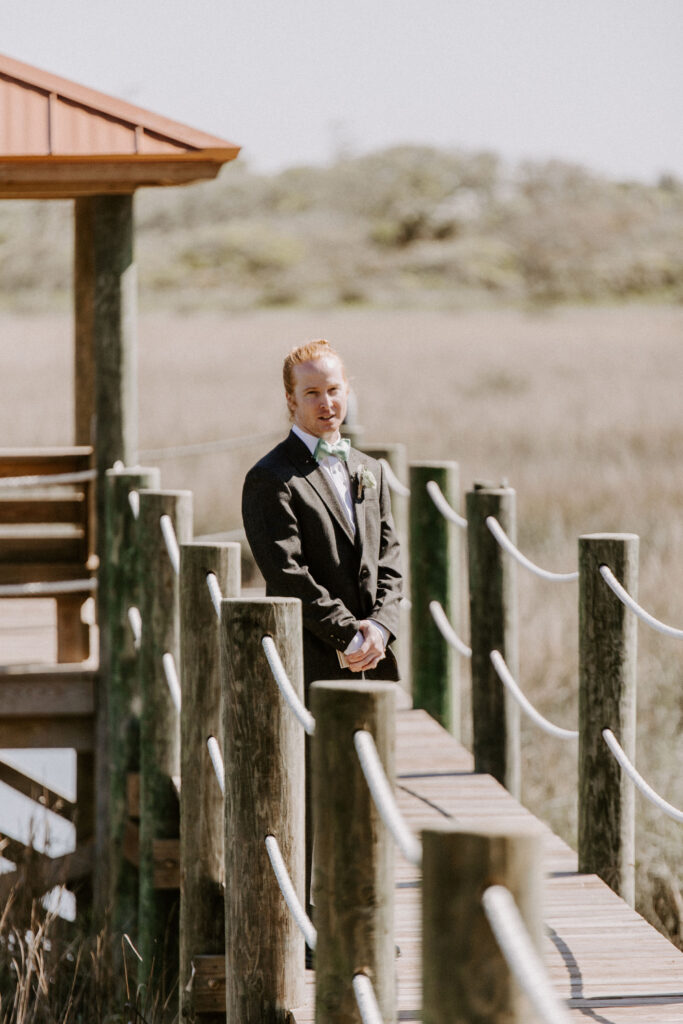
(291, 403)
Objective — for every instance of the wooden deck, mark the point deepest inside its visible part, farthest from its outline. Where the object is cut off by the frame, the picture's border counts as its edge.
(605, 961)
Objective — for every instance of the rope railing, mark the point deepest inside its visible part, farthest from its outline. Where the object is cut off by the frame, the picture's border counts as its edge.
(217, 761)
(446, 510)
(303, 921)
(366, 1000)
(171, 541)
(395, 484)
(171, 673)
(447, 631)
(626, 599)
(506, 677)
(507, 545)
(51, 589)
(286, 689)
(57, 479)
(520, 954)
(207, 447)
(135, 623)
(215, 592)
(134, 502)
(637, 779)
(385, 802)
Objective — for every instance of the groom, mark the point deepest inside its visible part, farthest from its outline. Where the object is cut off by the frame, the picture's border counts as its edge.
(318, 520)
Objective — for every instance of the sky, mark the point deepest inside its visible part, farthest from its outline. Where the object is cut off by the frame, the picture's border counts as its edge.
(596, 82)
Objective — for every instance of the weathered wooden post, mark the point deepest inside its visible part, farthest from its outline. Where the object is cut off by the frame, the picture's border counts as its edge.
(607, 700)
(202, 860)
(493, 626)
(434, 576)
(395, 455)
(353, 871)
(159, 737)
(264, 795)
(465, 977)
(122, 688)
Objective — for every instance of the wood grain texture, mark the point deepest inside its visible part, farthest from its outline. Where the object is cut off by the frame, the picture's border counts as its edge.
(159, 728)
(607, 699)
(434, 576)
(353, 851)
(465, 977)
(493, 626)
(118, 885)
(264, 795)
(202, 877)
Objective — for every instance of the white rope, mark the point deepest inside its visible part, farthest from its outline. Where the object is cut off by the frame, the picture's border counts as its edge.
(507, 545)
(135, 621)
(134, 502)
(625, 598)
(507, 679)
(447, 631)
(393, 481)
(217, 761)
(49, 478)
(366, 1000)
(378, 784)
(521, 955)
(215, 592)
(285, 687)
(637, 779)
(437, 496)
(304, 923)
(168, 530)
(48, 589)
(206, 447)
(172, 680)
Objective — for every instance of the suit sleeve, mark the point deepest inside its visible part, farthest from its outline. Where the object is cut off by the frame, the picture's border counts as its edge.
(389, 577)
(273, 535)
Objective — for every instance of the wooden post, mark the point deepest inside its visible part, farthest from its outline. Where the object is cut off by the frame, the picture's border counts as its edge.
(353, 873)
(607, 700)
(159, 738)
(202, 859)
(120, 895)
(395, 455)
(105, 369)
(493, 626)
(264, 795)
(434, 576)
(464, 975)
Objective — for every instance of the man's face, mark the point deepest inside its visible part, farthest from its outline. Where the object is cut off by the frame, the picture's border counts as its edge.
(318, 403)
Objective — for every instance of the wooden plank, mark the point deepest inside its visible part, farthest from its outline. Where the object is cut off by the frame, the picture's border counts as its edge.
(166, 858)
(44, 547)
(44, 461)
(36, 791)
(208, 984)
(40, 509)
(43, 572)
(131, 843)
(42, 698)
(63, 733)
(133, 794)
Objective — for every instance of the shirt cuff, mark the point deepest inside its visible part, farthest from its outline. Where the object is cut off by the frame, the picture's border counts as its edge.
(358, 638)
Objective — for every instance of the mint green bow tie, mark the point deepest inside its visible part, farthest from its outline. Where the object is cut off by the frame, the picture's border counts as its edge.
(340, 449)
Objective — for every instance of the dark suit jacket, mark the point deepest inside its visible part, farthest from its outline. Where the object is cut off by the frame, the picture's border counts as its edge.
(304, 546)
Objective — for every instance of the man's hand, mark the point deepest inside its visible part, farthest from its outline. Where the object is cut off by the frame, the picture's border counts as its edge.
(371, 651)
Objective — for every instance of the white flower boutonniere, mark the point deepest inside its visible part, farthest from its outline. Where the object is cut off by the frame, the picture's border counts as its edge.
(364, 478)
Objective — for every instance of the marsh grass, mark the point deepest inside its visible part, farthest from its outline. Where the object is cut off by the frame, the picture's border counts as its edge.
(579, 409)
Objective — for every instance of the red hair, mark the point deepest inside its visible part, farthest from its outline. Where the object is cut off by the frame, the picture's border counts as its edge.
(302, 354)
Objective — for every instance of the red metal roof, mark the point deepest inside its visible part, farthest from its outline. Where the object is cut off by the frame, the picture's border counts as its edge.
(58, 139)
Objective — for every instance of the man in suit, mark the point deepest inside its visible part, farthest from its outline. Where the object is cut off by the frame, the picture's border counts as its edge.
(318, 520)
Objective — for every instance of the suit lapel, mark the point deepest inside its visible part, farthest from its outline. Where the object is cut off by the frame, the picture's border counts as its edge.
(319, 481)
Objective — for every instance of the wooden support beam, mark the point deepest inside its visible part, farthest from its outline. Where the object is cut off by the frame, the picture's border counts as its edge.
(37, 791)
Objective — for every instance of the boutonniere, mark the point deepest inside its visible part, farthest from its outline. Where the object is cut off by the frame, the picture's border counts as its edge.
(364, 478)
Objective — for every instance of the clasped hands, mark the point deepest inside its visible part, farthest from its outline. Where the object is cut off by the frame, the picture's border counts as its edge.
(371, 651)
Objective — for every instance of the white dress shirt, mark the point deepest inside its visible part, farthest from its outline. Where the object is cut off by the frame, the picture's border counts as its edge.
(338, 473)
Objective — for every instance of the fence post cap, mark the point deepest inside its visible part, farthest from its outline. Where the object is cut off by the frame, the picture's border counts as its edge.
(347, 686)
(490, 487)
(608, 536)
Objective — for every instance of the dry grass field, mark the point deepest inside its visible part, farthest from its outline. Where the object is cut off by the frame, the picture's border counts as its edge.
(579, 409)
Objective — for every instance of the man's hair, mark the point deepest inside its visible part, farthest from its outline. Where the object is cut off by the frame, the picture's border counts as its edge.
(311, 350)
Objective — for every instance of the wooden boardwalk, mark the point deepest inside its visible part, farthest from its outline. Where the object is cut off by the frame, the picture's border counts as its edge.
(605, 961)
